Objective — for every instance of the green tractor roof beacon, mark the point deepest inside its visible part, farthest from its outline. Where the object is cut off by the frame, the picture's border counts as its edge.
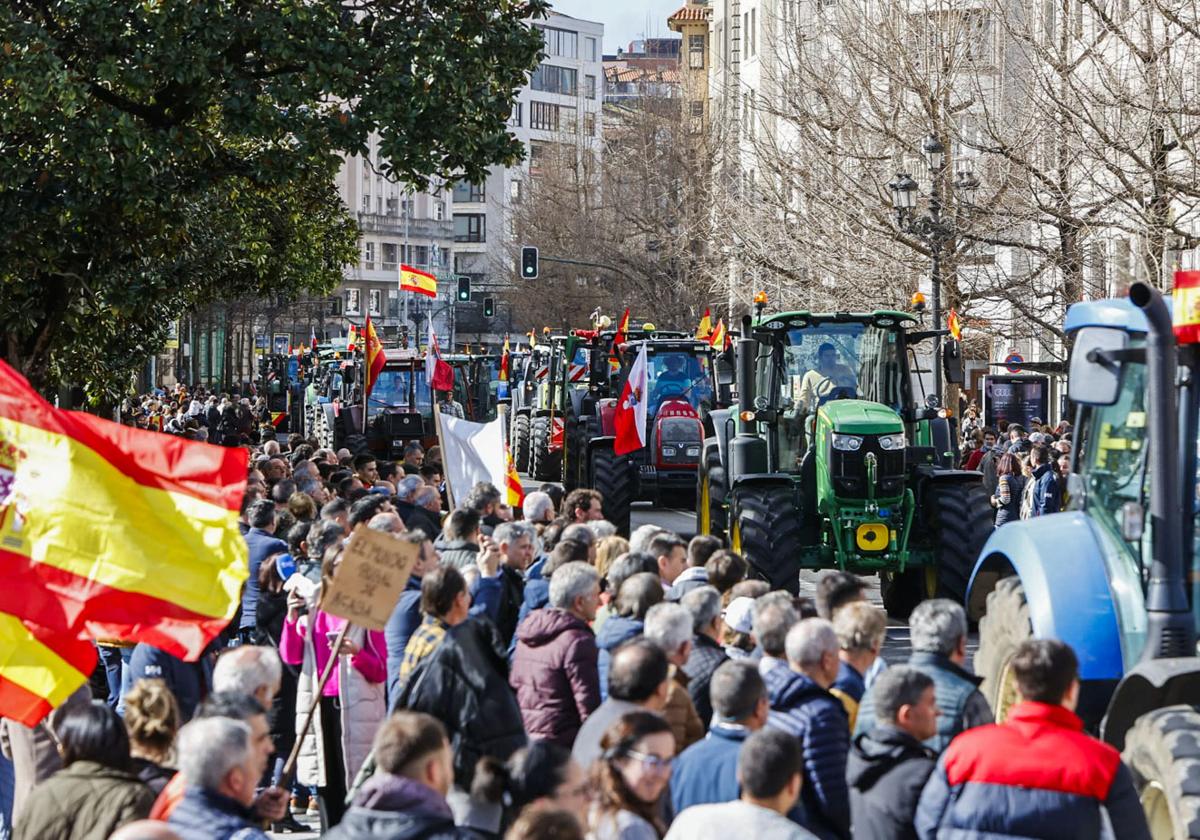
(836, 464)
(1121, 588)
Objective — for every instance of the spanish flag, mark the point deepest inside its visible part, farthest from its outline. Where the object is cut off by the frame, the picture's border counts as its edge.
(504, 361)
(719, 338)
(514, 492)
(376, 358)
(704, 331)
(106, 532)
(352, 339)
(619, 338)
(421, 282)
(954, 326)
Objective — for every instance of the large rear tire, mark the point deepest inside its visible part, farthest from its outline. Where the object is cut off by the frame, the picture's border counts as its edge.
(574, 468)
(766, 531)
(520, 442)
(544, 465)
(1004, 626)
(959, 515)
(1163, 751)
(615, 479)
(711, 492)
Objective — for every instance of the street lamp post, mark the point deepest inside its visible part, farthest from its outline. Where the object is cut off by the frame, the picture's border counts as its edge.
(931, 228)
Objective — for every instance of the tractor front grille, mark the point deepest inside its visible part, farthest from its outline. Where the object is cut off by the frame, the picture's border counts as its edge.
(848, 471)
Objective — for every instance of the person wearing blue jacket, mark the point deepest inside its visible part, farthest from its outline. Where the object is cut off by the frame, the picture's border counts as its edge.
(638, 594)
(406, 616)
(262, 543)
(190, 682)
(1047, 494)
(706, 772)
(802, 705)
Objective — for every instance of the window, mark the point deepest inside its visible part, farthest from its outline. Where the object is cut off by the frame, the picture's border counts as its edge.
(697, 107)
(753, 35)
(393, 307)
(589, 87)
(366, 204)
(369, 256)
(352, 301)
(746, 32)
(470, 227)
(439, 210)
(515, 118)
(537, 155)
(374, 302)
(514, 192)
(589, 123)
(589, 49)
(560, 42)
(466, 191)
(418, 255)
(389, 256)
(552, 79)
(696, 52)
(393, 206)
(543, 115)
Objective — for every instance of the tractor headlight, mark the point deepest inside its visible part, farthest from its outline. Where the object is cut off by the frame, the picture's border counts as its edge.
(668, 450)
(846, 443)
(693, 451)
(890, 442)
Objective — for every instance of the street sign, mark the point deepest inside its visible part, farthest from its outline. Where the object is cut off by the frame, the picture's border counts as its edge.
(1013, 362)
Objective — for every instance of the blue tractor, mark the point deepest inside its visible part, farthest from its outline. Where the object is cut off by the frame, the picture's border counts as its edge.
(1116, 574)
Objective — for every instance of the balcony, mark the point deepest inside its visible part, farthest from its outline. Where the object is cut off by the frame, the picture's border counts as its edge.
(394, 226)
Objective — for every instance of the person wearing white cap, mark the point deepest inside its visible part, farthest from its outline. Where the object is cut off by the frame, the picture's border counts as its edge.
(739, 628)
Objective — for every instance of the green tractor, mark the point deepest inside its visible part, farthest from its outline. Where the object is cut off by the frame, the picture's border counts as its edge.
(829, 459)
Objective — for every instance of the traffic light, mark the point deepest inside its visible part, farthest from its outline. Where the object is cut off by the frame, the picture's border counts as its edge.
(529, 262)
(489, 307)
(464, 289)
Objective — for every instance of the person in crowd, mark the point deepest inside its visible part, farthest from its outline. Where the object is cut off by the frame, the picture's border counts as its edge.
(938, 630)
(445, 603)
(671, 553)
(707, 770)
(250, 669)
(602, 529)
(365, 508)
(638, 594)
(724, 570)
(704, 605)
(670, 627)
(262, 543)
(366, 470)
(415, 515)
(640, 539)
(554, 670)
(631, 776)
(500, 596)
(96, 791)
(774, 616)
(699, 550)
(461, 535)
(1018, 439)
(802, 706)
(406, 616)
(302, 506)
(336, 510)
(581, 533)
(738, 620)
(537, 581)
(622, 568)
(1047, 492)
(608, 549)
(835, 589)
(1038, 774)
(144, 830)
(351, 703)
(1010, 489)
(188, 681)
(540, 775)
(33, 751)
(860, 629)
(583, 505)
(152, 721)
(546, 823)
(414, 457)
(218, 757)
(977, 455)
(638, 681)
(538, 508)
(484, 499)
(889, 765)
(770, 774)
(406, 798)
(387, 522)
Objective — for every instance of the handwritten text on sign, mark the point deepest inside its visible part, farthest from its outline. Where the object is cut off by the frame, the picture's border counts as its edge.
(368, 582)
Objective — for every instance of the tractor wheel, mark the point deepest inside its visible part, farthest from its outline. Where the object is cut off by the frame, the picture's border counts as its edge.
(1004, 626)
(711, 517)
(357, 444)
(520, 442)
(960, 520)
(574, 449)
(543, 464)
(766, 531)
(615, 479)
(1163, 751)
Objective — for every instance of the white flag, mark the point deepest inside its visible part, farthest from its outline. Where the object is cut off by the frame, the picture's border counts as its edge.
(471, 453)
(431, 355)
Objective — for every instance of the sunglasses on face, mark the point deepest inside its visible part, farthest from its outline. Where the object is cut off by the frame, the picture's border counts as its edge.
(654, 762)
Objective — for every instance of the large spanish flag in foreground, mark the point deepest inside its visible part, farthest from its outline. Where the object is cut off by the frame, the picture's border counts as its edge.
(106, 532)
(415, 280)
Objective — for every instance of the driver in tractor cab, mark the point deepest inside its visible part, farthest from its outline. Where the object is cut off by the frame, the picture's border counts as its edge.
(829, 375)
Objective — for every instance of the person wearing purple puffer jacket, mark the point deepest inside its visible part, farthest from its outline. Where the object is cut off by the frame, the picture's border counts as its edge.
(554, 668)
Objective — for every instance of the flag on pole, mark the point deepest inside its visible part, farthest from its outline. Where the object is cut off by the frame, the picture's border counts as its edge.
(512, 482)
(415, 280)
(704, 331)
(630, 418)
(505, 363)
(619, 338)
(106, 532)
(953, 324)
(314, 339)
(352, 339)
(432, 356)
(532, 339)
(376, 357)
(720, 337)
(472, 452)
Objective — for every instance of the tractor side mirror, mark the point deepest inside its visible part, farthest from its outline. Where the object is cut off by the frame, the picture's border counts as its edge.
(952, 362)
(726, 368)
(1095, 376)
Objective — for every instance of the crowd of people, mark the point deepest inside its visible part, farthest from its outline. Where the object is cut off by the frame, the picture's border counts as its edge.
(542, 676)
(234, 418)
(1024, 470)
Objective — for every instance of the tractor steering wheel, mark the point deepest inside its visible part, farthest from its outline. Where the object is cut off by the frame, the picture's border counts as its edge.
(842, 392)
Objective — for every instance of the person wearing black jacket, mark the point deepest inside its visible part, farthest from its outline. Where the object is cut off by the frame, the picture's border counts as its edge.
(888, 766)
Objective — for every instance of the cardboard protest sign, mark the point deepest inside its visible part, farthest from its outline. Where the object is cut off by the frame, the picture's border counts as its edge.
(373, 572)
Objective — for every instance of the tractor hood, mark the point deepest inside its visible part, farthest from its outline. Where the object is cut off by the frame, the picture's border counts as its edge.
(860, 417)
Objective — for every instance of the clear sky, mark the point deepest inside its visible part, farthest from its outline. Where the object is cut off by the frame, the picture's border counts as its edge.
(624, 20)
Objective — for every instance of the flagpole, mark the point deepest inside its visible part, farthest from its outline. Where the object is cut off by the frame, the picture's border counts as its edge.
(437, 426)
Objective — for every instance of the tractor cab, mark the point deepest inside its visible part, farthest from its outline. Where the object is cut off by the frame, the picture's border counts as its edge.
(399, 407)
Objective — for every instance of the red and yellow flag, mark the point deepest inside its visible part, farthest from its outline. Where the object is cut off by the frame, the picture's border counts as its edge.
(107, 532)
(514, 492)
(421, 282)
(954, 326)
(621, 336)
(376, 357)
(704, 331)
(504, 361)
(352, 338)
(719, 338)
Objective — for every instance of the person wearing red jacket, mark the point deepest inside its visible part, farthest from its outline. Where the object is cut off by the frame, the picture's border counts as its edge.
(1037, 774)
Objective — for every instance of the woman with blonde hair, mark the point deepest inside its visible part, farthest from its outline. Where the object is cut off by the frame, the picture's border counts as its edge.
(152, 720)
(607, 550)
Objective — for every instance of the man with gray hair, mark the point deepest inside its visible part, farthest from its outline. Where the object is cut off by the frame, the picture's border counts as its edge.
(538, 507)
(704, 604)
(801, 705)
(389, 522)
(670, 627)
(938, 629)
(581, 533)
(250, 669)
(222, 767)
(641, 537)
(500, 596)
(408, 505)
(554, 669)
(774, 615)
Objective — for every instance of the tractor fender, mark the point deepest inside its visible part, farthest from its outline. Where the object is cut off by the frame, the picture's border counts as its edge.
(723, 430)
(929, 476)
(942, 438)
(1060, 561)
(1149, 685)
(577, 395)
(758, 480)
(602, 442)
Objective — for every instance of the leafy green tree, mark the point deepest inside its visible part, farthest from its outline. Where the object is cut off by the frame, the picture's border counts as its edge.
(162, 154)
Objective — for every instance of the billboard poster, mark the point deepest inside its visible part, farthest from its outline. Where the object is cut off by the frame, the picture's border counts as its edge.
(1015, 399)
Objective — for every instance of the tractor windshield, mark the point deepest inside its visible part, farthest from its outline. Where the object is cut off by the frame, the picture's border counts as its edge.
(841, 361)
(394, 387)
(680, 375)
